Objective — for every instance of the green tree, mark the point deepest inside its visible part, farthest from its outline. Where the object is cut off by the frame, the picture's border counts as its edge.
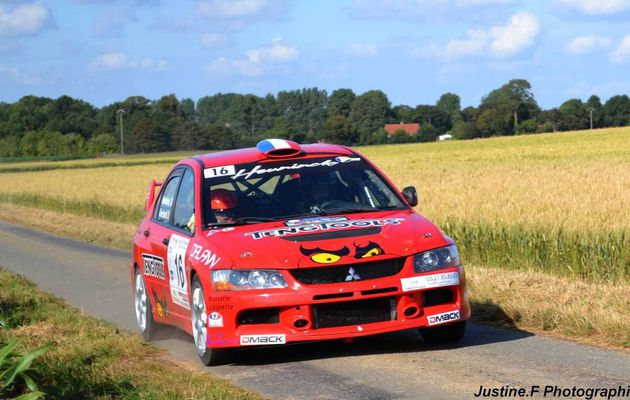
(102, 144)
(340, 102)
(511, 103)
(337, 129)
(574, 115)
(369, 112)
(617, 111)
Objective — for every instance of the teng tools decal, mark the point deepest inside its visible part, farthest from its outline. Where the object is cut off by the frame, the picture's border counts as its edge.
(294, 230)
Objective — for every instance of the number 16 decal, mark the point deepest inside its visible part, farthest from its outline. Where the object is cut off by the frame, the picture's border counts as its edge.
(177, 249)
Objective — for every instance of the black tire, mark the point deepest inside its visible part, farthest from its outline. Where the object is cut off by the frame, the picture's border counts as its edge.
(150, 326)
(451, 333)
(208, 356)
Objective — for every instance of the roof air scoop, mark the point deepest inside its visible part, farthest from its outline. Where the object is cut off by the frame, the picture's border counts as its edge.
(278, 148)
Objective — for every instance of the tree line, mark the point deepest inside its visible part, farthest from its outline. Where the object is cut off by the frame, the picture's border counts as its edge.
(39, 126)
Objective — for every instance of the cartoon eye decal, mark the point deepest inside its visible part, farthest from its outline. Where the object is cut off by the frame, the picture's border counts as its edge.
(322, 256)
(369, 250)
(325, 258)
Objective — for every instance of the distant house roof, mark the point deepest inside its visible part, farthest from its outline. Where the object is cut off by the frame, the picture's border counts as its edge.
(410, 129)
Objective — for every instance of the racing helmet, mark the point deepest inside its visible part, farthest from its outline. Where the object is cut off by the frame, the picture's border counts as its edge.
(224, 204)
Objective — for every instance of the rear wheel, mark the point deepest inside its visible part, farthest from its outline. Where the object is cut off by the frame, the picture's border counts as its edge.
(199, 319)
(144, 315)
(451, 333)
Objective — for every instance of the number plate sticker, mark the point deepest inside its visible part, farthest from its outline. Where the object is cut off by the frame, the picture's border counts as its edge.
(177, 250)
(216, 172)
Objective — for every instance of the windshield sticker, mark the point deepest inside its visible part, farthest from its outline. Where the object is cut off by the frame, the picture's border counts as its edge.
(314, 220)
(259, 169)
(225, 170)
(361, 223)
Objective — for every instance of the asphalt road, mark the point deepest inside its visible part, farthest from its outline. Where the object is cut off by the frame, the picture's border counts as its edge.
(393, 366)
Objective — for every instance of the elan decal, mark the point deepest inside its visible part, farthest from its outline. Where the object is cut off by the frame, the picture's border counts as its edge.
(430, 281)
(205, 256)
(153, 266)
(443, 318)
(258, 340)
(295, 230)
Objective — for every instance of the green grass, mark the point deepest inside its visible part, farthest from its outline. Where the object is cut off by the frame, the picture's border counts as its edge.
(92, 359)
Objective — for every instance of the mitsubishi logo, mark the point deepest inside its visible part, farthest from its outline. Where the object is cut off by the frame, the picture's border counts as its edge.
(352, 275)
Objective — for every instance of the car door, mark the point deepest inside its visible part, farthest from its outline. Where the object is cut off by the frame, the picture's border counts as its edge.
(175, 223)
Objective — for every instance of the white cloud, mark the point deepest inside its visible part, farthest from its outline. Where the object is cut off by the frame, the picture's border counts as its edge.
(597, 7)
(515, 36)
(16, 75)
(256, 61)
(363, 50)
(235, 9)
(621, 54)
(475, 44)
(414, 8)
(25, 19)
(120, 61)
(586, 44)
(498, 41)
(112, 23)
(213, 40)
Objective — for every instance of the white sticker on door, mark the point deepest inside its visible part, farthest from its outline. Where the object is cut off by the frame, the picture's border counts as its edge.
(178, 281)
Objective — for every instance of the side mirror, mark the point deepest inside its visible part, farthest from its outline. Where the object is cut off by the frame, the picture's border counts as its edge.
(151, 194)
(410, 194)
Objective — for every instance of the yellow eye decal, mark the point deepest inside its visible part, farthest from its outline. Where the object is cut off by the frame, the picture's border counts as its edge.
(372, 252)
(325, 258)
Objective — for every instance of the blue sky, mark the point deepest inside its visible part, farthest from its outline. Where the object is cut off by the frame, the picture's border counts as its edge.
(414, 50)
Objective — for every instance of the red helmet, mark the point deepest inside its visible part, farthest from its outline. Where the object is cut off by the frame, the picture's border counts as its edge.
(222, 199)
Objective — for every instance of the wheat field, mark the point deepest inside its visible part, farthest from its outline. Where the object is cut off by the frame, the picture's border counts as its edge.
(555, 202)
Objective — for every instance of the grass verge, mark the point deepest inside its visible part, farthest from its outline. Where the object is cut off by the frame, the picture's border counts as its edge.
(91, 359)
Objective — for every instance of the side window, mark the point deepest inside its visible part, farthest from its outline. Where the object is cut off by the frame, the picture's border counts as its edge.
(184, 216)
(165, 207)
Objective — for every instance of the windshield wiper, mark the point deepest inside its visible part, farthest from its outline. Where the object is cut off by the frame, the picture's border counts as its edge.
(242, 221)
(354, 210)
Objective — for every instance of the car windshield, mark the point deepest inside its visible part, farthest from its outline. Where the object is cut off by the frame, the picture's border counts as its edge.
(277, 190)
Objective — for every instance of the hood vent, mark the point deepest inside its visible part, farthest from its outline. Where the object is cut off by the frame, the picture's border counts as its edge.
(313, 237)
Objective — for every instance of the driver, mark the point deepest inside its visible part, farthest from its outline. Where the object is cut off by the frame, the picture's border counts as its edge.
(318, 188)
(224, 205)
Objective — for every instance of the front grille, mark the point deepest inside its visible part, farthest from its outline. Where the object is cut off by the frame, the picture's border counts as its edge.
(354, 312)
(436, 297)
(362, 272)
(259, 316)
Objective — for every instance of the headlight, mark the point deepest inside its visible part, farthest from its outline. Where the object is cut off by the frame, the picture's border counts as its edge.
(245, 279)
(432, 260)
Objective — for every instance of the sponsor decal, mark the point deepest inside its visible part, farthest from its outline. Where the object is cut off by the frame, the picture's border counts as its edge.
(215, 320)
(245, 173)
(314, 220)
(215, 231)
(219, 339)
(205, 256)
(257, 340)
(178, 281)
(326, 226)
(153, 266)
(443, 318)
(225, 170)
(430, 281)
(220, 303)
(161, 306)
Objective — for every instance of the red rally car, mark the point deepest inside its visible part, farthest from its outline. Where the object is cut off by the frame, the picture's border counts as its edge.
(287, 243)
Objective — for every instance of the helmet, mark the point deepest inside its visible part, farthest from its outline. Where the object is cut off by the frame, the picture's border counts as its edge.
(319, 178)
(222, 199)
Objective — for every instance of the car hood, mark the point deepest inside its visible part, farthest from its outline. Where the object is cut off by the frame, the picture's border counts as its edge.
(324, 241)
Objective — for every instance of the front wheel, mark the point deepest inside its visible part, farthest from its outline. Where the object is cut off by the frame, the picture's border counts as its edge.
(451, 333)
(199, 319)
(144, 316)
